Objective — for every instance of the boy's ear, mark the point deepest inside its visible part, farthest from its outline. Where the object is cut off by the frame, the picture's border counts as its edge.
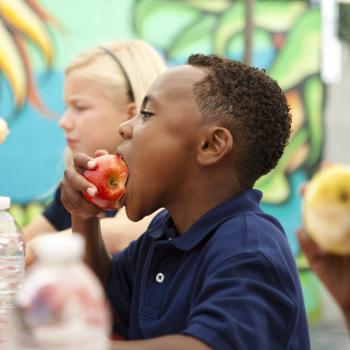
(131, 109)
(215, 144)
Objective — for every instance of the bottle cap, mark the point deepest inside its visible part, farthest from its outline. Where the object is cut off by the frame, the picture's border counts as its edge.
(59, 246)
(5, 203)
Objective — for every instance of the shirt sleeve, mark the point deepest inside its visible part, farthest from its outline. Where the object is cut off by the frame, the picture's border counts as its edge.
(57, 214)
(242, 304)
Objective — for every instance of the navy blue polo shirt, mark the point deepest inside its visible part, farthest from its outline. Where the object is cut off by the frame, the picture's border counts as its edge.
(230, 281)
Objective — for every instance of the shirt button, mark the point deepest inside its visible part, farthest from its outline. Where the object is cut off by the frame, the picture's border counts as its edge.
(160, 277)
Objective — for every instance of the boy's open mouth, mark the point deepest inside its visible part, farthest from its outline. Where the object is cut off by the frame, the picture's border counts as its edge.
(126, 164)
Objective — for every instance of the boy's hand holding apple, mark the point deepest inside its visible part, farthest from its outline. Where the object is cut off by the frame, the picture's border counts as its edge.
(109, 176)
(74, 185)
(100, 181)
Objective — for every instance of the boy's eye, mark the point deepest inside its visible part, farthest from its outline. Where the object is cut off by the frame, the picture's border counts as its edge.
(146, 114)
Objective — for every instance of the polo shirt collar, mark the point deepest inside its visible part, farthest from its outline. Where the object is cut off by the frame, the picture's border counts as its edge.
(246, 201)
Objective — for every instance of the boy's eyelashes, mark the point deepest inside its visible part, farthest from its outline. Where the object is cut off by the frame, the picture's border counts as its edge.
(146, 114)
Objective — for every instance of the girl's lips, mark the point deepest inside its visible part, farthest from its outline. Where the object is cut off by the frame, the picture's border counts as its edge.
(71, 142)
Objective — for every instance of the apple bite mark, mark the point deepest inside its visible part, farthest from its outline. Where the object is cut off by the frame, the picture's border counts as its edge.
(109, 177)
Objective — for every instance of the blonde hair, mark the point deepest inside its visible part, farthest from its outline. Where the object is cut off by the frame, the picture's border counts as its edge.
(140, 61)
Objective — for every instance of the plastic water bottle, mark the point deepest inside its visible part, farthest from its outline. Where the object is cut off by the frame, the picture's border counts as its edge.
(11, 266)
(61, 304)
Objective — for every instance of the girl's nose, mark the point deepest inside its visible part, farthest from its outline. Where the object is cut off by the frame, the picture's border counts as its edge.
(66, 122)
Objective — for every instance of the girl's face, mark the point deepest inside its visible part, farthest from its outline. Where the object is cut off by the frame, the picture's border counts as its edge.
(92, 117)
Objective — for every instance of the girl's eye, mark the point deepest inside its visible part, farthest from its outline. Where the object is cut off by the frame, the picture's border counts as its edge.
(80, 108)
(146, 115)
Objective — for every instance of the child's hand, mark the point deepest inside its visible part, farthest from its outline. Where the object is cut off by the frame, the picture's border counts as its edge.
(74, 185)
(326, 208)
(333, 270)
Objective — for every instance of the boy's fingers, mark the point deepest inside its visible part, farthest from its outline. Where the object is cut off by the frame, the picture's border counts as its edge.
(69, 196)
(66, 199)
(100, 152)
(74, 201)
(82, 162)
(78, 182)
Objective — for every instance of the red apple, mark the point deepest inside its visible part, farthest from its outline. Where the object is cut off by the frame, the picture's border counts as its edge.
(109, 177)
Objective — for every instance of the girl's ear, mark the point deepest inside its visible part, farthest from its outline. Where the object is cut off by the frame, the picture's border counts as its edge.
(132, 110)
(215, 144)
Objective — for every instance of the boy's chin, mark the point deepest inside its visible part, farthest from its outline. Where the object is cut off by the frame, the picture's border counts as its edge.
(133, 214)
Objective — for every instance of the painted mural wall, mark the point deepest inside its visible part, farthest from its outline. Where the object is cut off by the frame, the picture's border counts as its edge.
(39, 37)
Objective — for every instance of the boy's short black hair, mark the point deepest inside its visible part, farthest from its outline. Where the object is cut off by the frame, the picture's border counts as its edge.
(251, 105)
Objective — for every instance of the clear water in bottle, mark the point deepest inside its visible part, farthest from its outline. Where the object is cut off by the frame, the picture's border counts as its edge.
(11, 265)
(61, 304)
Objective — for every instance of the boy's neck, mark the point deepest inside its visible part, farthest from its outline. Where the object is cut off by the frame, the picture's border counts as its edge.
(198, 202)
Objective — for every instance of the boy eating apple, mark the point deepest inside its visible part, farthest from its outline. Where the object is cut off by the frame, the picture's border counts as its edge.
(212, 271)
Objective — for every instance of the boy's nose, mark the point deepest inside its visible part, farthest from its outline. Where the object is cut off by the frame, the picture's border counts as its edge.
(125, 129)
